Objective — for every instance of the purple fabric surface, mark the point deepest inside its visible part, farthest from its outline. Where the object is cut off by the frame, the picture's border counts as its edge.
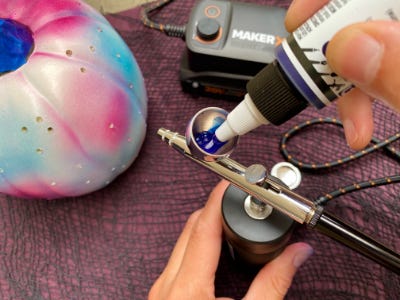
(112, 244)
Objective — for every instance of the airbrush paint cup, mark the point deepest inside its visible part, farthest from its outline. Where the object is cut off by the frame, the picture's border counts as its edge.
(200, 134)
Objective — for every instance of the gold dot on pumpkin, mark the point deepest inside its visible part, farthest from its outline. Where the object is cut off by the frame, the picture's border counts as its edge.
(83, 69)
(24, 129)
(39, 151)
(39, 119)
(92, 48)
(50, 129)
(68, 52)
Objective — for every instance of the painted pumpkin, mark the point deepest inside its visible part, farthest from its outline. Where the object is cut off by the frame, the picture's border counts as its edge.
(73, 102)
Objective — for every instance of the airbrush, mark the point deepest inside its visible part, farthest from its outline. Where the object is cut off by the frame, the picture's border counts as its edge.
(268, 204)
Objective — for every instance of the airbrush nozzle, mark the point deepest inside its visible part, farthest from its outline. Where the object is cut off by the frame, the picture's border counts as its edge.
(175, 140)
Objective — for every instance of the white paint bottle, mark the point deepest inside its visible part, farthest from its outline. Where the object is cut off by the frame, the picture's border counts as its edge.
(300, 75)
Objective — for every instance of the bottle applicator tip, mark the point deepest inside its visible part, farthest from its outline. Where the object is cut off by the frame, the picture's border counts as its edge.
(244, 118)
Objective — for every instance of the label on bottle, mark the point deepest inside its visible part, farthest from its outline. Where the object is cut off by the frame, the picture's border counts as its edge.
(302, 55)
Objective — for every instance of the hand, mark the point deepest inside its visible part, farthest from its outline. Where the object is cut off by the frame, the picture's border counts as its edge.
(367, 54)
(190, 272)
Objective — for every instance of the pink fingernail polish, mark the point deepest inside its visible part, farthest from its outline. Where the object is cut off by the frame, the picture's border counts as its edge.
(302, 256)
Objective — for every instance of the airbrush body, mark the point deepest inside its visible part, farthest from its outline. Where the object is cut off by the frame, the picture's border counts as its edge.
(278, 196)
(272, 191)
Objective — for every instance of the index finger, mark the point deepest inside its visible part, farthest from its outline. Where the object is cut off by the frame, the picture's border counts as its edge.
(301, 10)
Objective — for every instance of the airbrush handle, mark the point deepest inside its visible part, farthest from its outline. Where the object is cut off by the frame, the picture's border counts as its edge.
(338, 230)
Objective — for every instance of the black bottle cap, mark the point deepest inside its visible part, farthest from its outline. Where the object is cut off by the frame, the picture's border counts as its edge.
(274, 96)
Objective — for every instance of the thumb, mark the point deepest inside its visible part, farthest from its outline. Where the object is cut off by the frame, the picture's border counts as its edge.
(367, 54)
(275, 278)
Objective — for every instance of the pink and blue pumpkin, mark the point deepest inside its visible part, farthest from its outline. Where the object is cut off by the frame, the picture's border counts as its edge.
(73, 102)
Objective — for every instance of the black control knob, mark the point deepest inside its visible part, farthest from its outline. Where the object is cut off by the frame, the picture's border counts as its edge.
(208, 29)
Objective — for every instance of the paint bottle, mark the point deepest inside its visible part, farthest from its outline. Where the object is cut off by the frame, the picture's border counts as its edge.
(300, 75)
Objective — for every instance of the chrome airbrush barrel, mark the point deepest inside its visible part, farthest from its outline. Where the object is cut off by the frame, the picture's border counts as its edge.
(279, 197)
(272, 193)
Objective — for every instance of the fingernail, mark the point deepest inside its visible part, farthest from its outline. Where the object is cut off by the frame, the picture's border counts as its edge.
(293, 2)
(350, 131)
(364, 54)
(302, 256)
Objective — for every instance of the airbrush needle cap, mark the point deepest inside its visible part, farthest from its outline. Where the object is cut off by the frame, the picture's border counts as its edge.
(288, 173)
